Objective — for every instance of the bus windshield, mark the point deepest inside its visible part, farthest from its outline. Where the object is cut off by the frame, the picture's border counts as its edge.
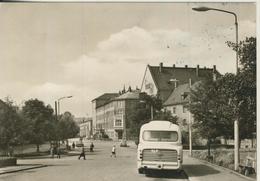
(163, 136)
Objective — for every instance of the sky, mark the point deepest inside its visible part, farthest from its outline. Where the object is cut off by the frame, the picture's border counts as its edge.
(51, 50)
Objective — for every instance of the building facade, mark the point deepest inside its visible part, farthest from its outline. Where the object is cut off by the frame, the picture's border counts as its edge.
(178, 104)
(85, 128)
(111, 116)
(172, 85)
(98, 109)
(161, 80)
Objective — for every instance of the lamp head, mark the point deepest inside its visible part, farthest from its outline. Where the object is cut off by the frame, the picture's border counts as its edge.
(201, 9)
(69, 96)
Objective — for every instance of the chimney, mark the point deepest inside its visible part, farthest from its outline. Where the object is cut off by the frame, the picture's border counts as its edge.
(129, 89)
(160, 67)
(214, 73)
(197, 70)
(186, 66)
(214, 68)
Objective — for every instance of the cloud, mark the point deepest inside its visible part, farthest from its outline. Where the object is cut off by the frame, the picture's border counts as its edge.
(92, 77)
(140, 46)
(49, 91)
(104, 76)
(137, 44)
(121, 60)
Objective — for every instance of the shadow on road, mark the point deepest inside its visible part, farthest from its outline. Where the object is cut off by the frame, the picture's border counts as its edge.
(200, 170)
(165, 174)
(59, 165)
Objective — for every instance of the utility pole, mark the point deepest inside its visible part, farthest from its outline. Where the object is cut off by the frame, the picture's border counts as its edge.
(124, 144)
(151, 112)
(190, 123)
(236, 123)
(56, 114)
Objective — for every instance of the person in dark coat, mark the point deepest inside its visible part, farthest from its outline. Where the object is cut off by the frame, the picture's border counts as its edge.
(82, 154)
(73, 145)
(91, 147)
(58, 152)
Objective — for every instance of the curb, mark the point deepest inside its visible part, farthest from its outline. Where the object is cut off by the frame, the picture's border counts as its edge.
(226, 169)
(23, 169)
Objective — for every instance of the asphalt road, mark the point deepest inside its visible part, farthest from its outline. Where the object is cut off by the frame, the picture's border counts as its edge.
(97, 166)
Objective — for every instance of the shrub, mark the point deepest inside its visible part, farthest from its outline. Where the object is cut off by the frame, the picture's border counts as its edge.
(224, 158)
(202, 154)
(105, 136)
(221, 157)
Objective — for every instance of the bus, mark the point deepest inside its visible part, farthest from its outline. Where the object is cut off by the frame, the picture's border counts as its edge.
(160, 147)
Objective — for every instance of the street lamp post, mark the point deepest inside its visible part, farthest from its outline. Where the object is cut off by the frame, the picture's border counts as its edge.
(190, 123)
(124, 141)
(151, 112)
(236, 124)
(57, 111)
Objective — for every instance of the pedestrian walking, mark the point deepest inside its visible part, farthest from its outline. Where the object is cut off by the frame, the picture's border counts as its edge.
(73, 145)
(52, 151)
(58, 152)
(82, 154)
(113, 153)
(91, 148)
(11, 151)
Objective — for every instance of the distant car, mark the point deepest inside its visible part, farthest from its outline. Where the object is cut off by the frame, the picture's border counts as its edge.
(79, 144)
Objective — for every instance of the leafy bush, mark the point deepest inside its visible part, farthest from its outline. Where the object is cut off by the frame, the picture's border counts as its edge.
(202, 154)
(221, 157)
(105, 136)
(224, 158)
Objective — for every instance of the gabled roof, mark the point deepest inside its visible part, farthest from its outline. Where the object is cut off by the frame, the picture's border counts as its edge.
(182, 74)
(180, 95)
(176, 96)
(164, 77)
(2, 102)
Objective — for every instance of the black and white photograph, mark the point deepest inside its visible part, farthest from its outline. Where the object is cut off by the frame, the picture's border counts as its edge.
(128, 90)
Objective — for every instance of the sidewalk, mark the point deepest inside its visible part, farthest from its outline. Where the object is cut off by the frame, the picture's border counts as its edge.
(19, 167)
(201, 171)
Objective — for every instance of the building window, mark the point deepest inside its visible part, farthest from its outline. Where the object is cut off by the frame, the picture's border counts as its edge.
(184, 122)
(184, 109)
(174, 110)
(118, 122)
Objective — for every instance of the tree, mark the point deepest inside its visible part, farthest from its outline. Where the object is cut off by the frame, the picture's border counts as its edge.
(40, 121)
(11, 125)
(246, 53)
(211, 110)
(67, 127)
(166, 115)
(244, 98)
(142, 114)
(216, 104)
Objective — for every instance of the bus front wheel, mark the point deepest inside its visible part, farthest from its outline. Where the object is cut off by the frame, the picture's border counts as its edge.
(140, 170)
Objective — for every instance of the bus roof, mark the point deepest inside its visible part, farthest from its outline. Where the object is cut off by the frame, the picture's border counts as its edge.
(160, 125)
